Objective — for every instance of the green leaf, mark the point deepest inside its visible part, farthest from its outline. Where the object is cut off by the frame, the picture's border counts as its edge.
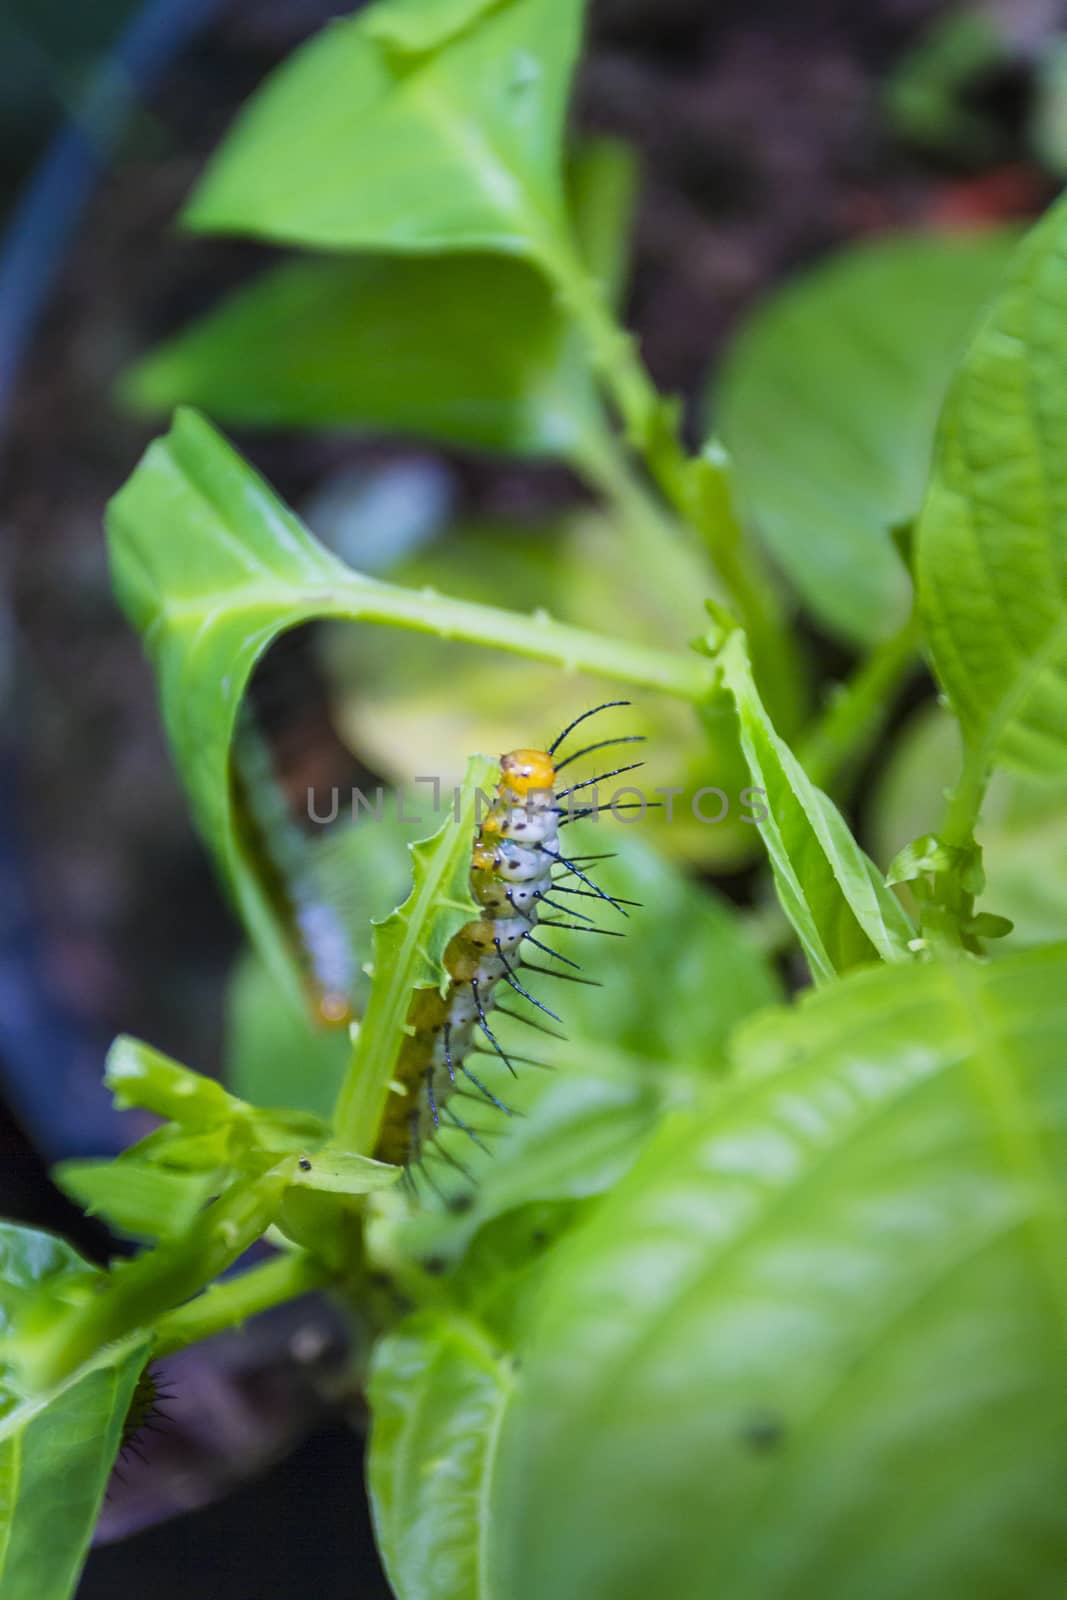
(652, 1038)
(342, 1172)
(56, 1453)
(930, 93)
(816, 1342)
(438, 1390)
(409, 949)
(417, 25)
(456, 148)
(1023, 828)
(139, 1076)
(57, 1332)
(211, 567)
(273, 1054)
(138, 1198)
(828, 401)
(831, 892)
(991, 550)
(469, 350)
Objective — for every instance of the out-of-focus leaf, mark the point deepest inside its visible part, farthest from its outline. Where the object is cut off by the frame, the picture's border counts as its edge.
(438, 1388)
(457, 147)
(815, 1342)
(138, 1198)
(206, 1127)
(139, 1076)
(927, 92)
(1023, 829)
(1048, 117)
(991, 545)
(831, 892)
(685, 972)
(466, 349)
(828, 401)
(56, 1332)
(56, 1453)
(274, 1056)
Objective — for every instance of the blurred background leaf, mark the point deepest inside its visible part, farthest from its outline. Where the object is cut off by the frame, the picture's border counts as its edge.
(457, 147)
(470, 350)
(827, 400)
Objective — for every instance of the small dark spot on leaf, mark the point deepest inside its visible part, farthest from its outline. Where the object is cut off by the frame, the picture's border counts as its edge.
(304, 1164)
(435, 1265)
(460, 1203)
(764, 1431)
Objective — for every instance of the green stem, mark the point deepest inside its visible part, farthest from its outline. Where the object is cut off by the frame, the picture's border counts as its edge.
(227, 1305)
(852, 720)
(699, 489)
(965, 801)
(945, 918)
(139, 1291)
(574, 649)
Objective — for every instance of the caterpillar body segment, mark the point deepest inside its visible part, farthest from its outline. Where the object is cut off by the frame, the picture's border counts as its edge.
(515, 862)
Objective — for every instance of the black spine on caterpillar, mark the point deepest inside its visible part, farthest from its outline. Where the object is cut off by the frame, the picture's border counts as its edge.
(516, 850)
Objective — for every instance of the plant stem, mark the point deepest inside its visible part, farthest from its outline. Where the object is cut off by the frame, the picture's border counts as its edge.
(965, 800)
(698, 488)
(847, 728)
(539, 636)
(945, 918)
(228, 1304)
(141, 1290)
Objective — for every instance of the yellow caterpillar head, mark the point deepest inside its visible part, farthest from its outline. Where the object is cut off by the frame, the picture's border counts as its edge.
(526, 771)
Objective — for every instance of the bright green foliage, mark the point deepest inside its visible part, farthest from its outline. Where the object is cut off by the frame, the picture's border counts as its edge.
(991, 551)
(466, 349)
(746, 1305)
(138, 1198)
(815, 1343)
(827, 402)
(438, 1389)
(56, 1453)
(831, 892)
(652, 1037)
(354, 144)
(210, 567)
(1023, 829)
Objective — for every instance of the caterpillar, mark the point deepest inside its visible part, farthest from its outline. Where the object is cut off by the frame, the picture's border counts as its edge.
(517, 870)
(142, 1415)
